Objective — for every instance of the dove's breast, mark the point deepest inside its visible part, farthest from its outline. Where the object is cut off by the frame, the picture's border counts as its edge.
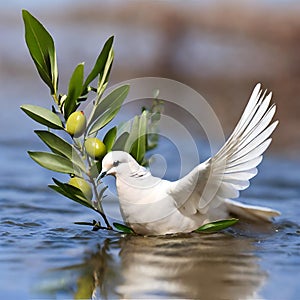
(148, 209)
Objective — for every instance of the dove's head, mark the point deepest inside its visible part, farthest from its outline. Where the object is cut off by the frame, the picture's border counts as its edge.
(118, 163)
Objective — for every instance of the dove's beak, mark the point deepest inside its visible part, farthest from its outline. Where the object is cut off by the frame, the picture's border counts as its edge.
(102, 174)
(107, 171)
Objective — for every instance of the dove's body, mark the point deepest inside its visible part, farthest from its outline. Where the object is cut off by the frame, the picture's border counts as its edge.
(153, 210)
(151, 205)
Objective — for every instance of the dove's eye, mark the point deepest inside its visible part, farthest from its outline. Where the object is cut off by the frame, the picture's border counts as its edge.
(116, 163)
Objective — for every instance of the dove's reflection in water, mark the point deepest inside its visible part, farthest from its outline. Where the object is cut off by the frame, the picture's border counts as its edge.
(198, 266)
(192, 266)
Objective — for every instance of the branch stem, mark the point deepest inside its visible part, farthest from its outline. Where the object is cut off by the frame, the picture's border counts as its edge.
(99, 207)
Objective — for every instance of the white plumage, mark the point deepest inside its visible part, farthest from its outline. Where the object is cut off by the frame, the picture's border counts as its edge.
(151, 205)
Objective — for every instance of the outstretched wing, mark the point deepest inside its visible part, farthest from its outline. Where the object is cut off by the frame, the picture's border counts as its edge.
(229, 171)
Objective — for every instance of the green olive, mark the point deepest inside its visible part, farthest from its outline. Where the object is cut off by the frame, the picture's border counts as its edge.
(76, 124)
(84, 186)
(95, 148)
(85, 286)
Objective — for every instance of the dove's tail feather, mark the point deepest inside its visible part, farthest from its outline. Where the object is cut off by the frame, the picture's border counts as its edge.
(251, 212)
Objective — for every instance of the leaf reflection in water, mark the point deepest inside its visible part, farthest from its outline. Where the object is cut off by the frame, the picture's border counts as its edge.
(217, 266)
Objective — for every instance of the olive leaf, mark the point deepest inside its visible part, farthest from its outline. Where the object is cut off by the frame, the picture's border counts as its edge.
(43, 116)
(103, 62)
(107, 109)
(123, 228)
(124, 127)
(103, 120)
(54, 162)
(61, 147)
(71, 192)
(110, 138)
(95, 169)
(103, 78)
(138, 148)
(74, 90)
(137, 138)
(120, 142)
(154, 116)
(42, 50)
(216, 226)
(132, 128)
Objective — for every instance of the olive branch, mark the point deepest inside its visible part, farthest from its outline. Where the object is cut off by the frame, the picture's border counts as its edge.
(80, 154)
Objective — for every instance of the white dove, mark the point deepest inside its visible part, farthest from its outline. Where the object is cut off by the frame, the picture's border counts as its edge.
(151, 205)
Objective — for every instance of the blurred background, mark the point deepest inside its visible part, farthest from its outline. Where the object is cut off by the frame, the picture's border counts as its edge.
(219, 48)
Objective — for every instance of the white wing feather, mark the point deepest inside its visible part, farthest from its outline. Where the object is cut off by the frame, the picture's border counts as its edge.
(222, 177)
